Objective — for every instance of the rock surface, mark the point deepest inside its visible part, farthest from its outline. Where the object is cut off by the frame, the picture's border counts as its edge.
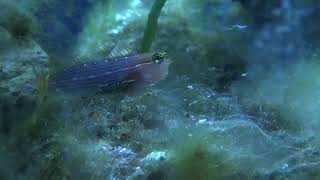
(21, 63)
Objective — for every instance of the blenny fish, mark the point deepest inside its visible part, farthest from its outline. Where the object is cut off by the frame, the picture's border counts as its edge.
(112, 73)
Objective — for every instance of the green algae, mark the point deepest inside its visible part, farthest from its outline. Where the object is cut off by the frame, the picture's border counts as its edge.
(195, 159)
(151, 26)
(193, 153)
(142, 110)
(286, 94)
(151, 120)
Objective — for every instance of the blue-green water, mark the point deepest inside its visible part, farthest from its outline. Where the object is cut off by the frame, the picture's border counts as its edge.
(236, 96)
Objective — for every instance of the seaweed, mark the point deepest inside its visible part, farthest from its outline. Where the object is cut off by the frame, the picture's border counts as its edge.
(41, 93)
(196, 160)
(151, 26)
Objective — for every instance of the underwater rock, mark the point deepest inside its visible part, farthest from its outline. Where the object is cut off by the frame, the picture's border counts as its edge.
(17, 19)
(144, 109)
(202, 102)
(20, 64)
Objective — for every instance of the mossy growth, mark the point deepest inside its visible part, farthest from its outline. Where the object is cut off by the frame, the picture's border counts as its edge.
(220, 107)
(125, 133)
(200, 100)
(198, 157)
(66, 156)
(51, 166)
(271, 117)
(45, 108)
(143, 109)
(17, 20)
(133, 115)
(280, 97)
(29, 117)
(21, 27)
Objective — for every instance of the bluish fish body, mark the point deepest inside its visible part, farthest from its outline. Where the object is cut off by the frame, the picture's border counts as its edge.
(147, 68)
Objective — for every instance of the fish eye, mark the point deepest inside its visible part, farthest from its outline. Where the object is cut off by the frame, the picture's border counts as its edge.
(158, 57)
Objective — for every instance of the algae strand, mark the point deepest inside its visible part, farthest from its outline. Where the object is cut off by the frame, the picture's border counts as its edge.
(151, 26)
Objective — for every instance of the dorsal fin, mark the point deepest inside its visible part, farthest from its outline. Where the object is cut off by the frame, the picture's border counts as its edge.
(117, 52)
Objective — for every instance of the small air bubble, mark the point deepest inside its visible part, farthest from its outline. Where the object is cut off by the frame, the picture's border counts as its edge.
(84, 65)
(244, 74)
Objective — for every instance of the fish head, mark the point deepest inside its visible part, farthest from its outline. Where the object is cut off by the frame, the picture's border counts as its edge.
(158, 57)
(157, 70)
